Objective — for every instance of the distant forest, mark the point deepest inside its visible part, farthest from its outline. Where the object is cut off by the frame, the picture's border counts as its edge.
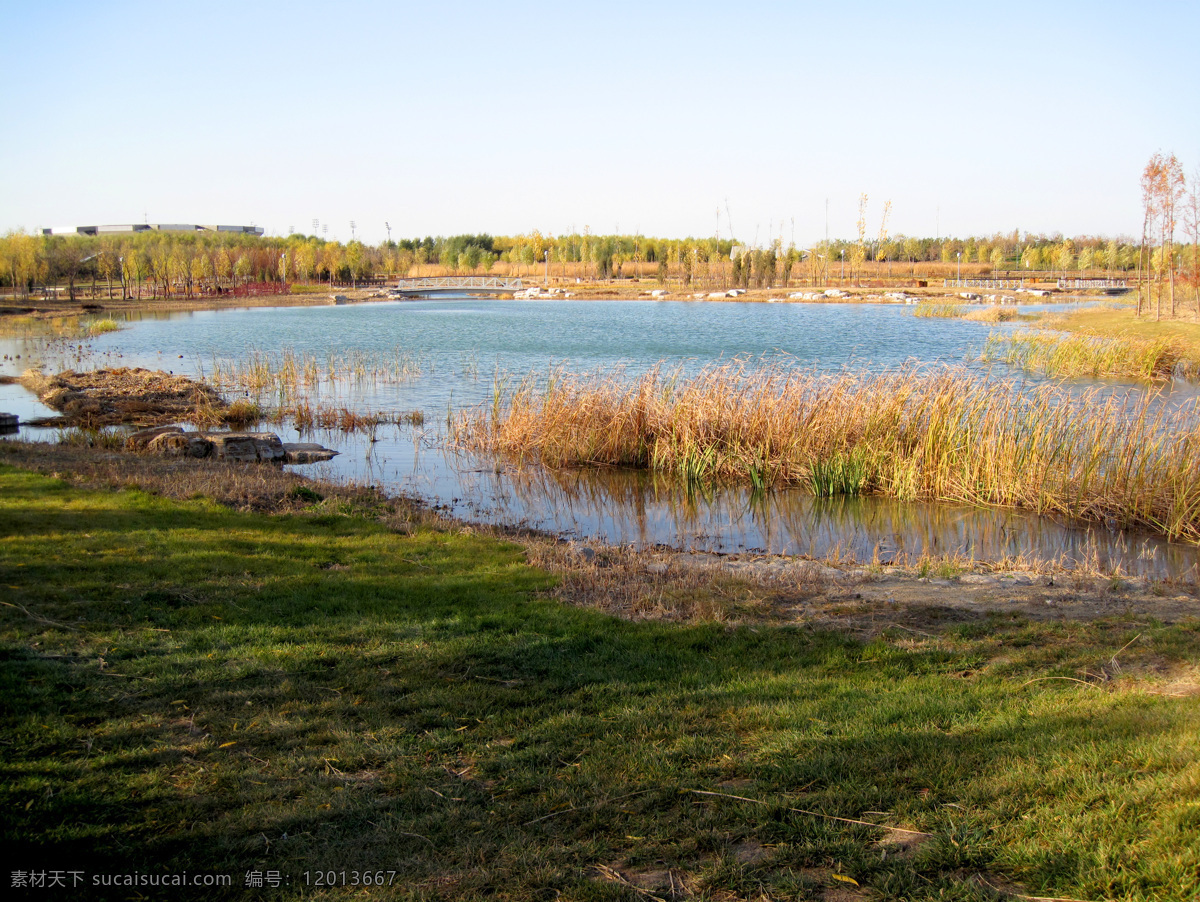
(165, 263)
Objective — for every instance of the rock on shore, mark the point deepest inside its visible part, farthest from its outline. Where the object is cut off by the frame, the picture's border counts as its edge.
(247, 447)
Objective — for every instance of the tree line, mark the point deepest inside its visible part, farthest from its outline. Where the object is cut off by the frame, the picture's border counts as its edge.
(158, 264)
(1168, 202)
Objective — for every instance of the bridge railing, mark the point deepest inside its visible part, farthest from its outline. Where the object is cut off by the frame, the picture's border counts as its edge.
(459, 282)
(983, 283)
(1092, 283)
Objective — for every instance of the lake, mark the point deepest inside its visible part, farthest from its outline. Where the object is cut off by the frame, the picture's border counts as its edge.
(441, 356)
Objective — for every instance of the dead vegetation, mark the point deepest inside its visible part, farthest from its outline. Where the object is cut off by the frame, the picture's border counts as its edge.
(915, 434)
(122, 396)
(245, 487)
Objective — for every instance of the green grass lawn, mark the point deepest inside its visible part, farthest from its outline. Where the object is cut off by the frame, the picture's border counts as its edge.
(186, 688)
(1109, 321)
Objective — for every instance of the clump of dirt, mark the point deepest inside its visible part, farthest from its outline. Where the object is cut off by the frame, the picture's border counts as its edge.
(122, 396)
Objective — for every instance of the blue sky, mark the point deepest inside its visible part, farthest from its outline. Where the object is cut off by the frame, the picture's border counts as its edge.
(650, 117)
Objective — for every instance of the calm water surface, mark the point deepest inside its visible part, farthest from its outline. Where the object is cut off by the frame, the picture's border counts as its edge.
(458, 348)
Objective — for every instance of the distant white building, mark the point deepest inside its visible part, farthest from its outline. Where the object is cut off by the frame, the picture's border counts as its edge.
(153, 227)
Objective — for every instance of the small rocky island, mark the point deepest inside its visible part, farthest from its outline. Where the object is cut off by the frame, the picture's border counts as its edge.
(157, 402)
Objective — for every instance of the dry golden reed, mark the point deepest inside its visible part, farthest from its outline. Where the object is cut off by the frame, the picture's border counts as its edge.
(305, 414)
(941, 435)
(289, 373)
(1059, 354)
(996, 313)
(939, 309)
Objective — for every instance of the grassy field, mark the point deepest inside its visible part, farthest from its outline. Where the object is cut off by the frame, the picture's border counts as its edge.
(309, 697)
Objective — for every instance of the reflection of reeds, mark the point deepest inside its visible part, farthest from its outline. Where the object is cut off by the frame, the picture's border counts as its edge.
(54, 328)
(644, 508)
(941, 436)
(1057, 354)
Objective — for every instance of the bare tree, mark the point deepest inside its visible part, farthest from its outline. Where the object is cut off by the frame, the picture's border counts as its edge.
(1151, 176)
(858, 253)
(1173, 187)
(1191, 219)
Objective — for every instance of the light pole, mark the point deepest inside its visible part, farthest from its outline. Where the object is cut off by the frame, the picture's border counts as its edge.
(388, 226)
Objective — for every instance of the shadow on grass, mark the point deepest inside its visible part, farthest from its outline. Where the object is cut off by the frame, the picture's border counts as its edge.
(230, 693)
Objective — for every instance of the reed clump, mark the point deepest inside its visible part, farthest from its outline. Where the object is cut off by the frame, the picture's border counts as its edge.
(938, 309)
(288, 373)
(1071, 354)
(996, 313)
(938, 436)
(242, 412)
(102, 327)
(106, 439)
(306, 414)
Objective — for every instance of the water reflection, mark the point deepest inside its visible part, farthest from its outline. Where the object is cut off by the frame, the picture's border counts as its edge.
(462, 343)
(642, 509)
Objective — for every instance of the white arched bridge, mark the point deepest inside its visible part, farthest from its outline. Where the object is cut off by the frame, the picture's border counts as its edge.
(456, 285)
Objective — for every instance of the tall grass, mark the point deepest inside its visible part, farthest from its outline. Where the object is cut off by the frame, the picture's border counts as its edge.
(1058, 354)
(841, 474)
(306, 414)
(940, 435)
(938, 309)
(102, 327)
(289, 372)
(996, 313)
